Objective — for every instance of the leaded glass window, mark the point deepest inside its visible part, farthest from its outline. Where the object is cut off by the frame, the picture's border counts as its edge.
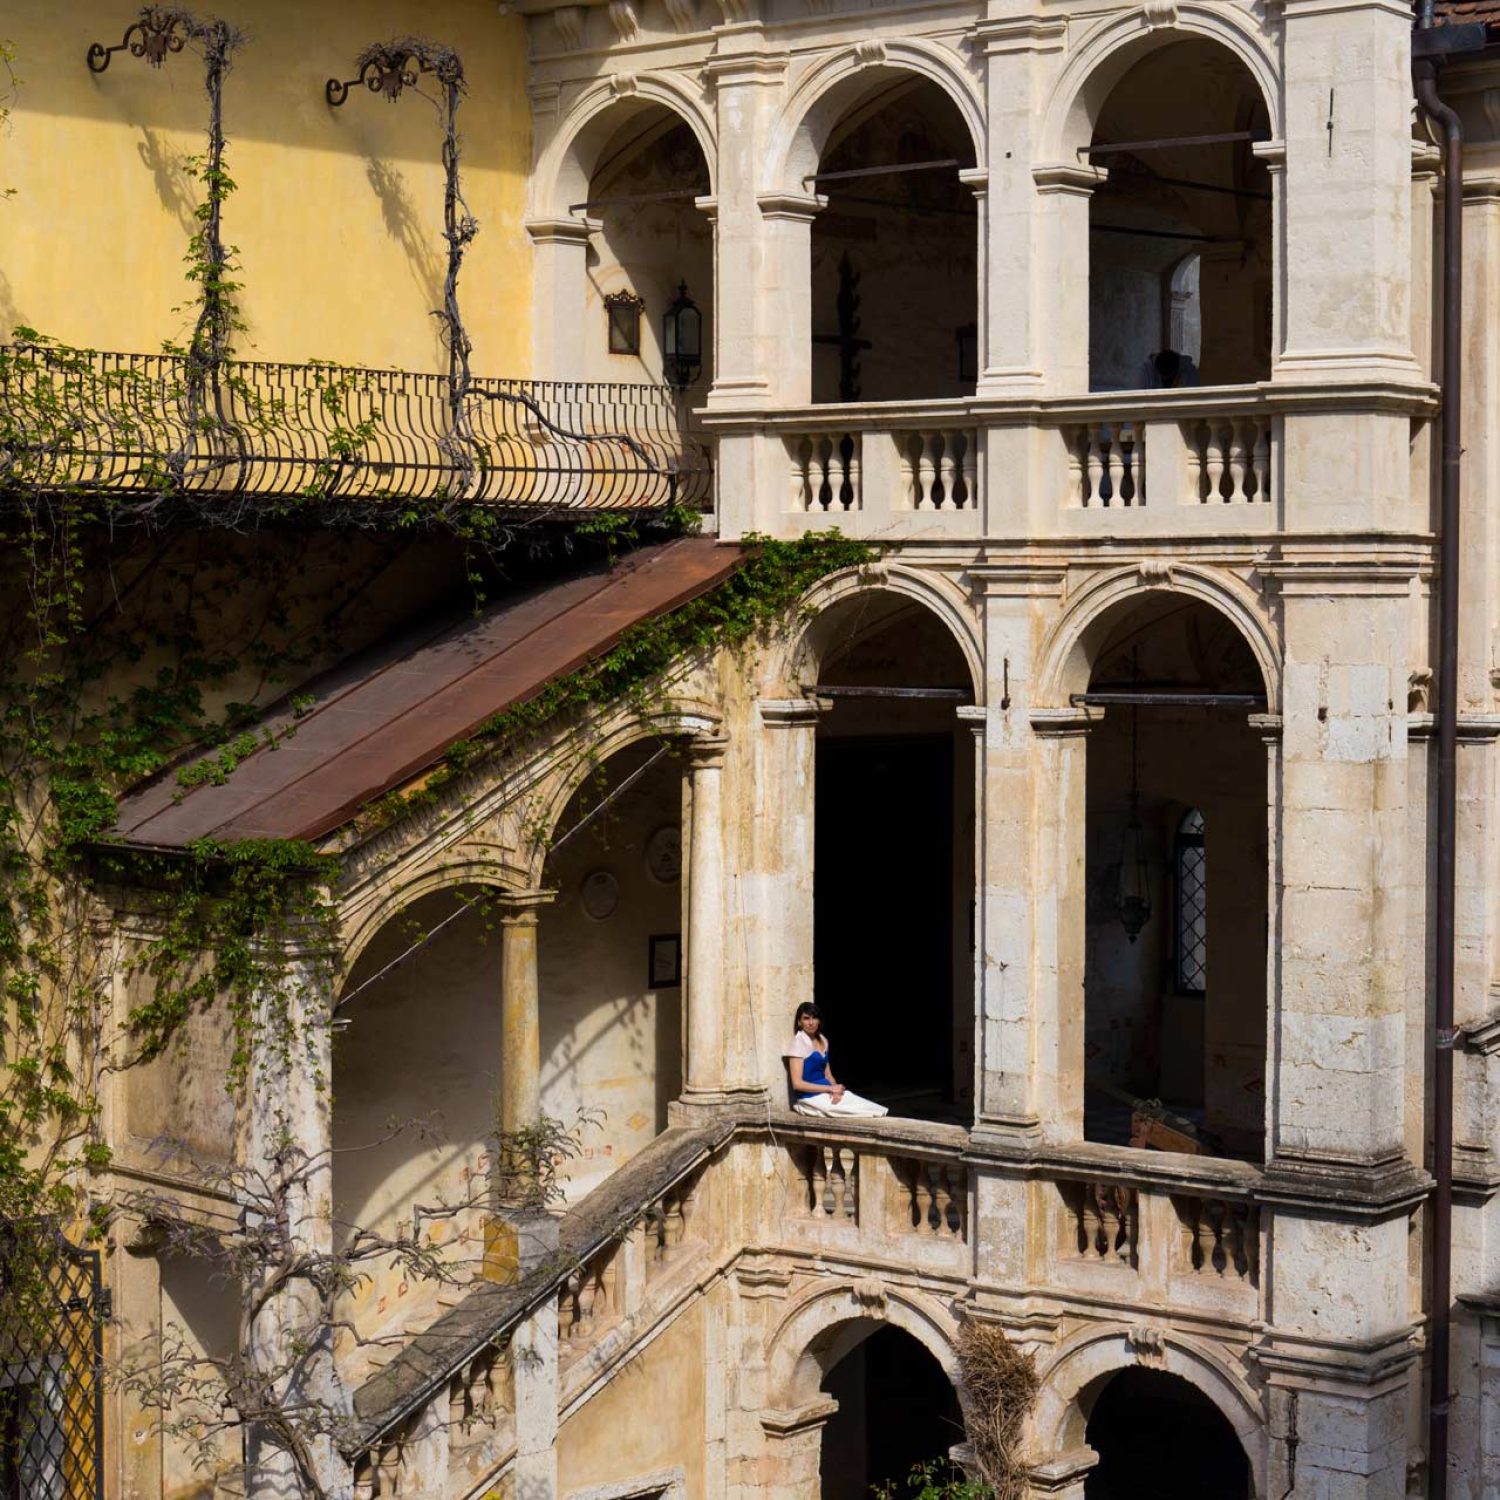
(1191, 889)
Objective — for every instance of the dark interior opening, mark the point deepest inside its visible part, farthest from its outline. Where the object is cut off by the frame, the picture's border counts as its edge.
(896, 1410)
(883, 913)
(1159, 1438)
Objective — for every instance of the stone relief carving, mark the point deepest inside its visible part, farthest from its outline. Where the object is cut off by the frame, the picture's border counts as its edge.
(623, 18)
(568, 21)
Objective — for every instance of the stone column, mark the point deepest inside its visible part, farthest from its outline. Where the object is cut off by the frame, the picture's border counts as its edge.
(559, 267)
(1015, 981)
(1345, 259)
(703, 1023)
(520, 1018)
(782, 904)
(794, 1449)
(1063, 192)
(746, 85)
(1062, 1478)
(286, 1141)
(786, 285)
(1014, 276)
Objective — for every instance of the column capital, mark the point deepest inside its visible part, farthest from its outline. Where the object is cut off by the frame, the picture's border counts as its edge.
(523, 908)
(1060, 1476)
(1267, 726)
(801, 208)
(1064, 723)
(1069, 177)
(976, 716)
(561, 231)
(792, 713)
(706, 751)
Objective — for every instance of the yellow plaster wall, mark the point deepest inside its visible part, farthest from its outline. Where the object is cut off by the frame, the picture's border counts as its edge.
(611, 1439)
(338, 213)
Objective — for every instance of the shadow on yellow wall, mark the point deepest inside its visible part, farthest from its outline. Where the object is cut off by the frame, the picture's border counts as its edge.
(338, 212)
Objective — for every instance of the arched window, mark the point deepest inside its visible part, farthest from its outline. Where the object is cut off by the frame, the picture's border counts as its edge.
(1190, 903)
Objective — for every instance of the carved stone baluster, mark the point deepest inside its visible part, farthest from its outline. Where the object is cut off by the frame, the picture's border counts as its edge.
(927, 472)
(1260, 461)
(1075, 440)
(1115, 460)
(948, 466)
(798, 495)
(821, 473)
(1239, 459)
(838, 1178)
(1197, 475)
(1213, 462)
(942, 1200)
(969, 470)
(1094, 461)
(921, 1197)
(853, 502)
(907, 460)
(822, 1183)
(675, 1221)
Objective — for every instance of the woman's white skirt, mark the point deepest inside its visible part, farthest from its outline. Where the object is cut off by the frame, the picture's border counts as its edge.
(850, 1104)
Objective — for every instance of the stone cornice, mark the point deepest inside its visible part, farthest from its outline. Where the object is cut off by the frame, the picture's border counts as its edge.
(1293, 1359)
(1031, 33)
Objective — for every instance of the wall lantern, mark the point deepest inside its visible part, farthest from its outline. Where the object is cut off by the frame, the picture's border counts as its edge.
(623, 310)
(682, 340)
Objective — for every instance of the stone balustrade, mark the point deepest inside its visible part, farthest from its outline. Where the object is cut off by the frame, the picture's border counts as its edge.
(1175, 463)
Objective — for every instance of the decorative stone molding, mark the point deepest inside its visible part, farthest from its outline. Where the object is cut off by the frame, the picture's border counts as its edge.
(623, 18)
(621, 85)
(568, 21)
(869, 51)
(683, 14)
(1160, 13)
(739, 12)
(1156, 570)
(790, 713)
(1019, 34)
(795, 206)
(1149, 1343)
(787, 1423)
(1072, 177)
(869, 1295)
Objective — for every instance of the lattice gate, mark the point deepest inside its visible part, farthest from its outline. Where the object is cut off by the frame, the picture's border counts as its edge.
(52, 1315)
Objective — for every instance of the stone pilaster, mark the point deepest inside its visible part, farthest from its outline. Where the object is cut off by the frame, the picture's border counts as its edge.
(559, 269)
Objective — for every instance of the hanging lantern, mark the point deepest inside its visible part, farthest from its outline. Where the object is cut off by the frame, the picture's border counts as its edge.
(682, 341)
(1133, 896)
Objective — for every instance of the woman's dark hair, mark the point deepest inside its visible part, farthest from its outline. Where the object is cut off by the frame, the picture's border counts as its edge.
(807, 1008)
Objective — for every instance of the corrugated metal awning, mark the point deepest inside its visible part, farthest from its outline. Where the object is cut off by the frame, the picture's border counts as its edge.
(382, 719)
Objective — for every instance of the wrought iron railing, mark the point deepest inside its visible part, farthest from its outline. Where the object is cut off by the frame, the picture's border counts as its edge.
(140, 425)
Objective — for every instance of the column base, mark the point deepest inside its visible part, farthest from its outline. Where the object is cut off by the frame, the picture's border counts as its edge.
(516, 1242)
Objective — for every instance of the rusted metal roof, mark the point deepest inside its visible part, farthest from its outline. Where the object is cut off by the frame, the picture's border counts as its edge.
(385, 717)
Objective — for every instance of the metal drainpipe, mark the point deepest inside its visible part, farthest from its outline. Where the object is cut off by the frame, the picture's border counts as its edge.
(1424, 77)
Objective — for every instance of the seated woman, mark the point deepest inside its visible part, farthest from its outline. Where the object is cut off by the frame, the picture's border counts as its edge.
(815, 1091)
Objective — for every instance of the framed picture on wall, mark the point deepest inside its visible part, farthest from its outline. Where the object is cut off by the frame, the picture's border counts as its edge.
(664, 961)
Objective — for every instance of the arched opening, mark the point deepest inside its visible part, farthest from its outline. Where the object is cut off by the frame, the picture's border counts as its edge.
(1180, 252)
(1158, 1435)
(610, 958)
(1176, 884)
(416, 1087)
(653, 248)
(895, 252)
(893, 929)
(896, 1411)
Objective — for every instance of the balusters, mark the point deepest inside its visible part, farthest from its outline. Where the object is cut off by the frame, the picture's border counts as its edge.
(823, 471)
(1106, 464)
(1104, 1221)
(587, 1298)
(936, 1198)
(939, 470)
(1221, 1238)
(926, 471)
(1230, 460)
(832, 1177)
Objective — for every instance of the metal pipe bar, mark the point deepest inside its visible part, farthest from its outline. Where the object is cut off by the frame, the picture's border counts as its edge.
(609, 797)
(823, 690)
(1166, 143)
(923, 213)
(888, 171)
(1189, 182)
(1104, 697)
(1164, 234)
(676, 195)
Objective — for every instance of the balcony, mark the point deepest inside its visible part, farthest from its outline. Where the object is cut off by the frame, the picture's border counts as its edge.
(1178, 463)
(147, 428)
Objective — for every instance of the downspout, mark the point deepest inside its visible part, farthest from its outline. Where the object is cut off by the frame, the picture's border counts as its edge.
(1424, 78)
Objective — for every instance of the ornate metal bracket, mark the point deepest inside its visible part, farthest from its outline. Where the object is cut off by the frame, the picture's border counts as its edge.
(390, 71)
(157, 33)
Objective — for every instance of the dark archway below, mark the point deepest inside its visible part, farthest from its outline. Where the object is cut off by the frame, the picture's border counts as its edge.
(1160, 1438)
(896, 1410)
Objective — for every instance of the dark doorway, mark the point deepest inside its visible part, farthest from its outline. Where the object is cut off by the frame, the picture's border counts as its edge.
(896, 1410)
(1160, 1438)
(883, 913)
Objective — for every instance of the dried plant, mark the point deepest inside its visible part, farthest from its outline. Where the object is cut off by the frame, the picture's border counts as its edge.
(1002, 1385)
